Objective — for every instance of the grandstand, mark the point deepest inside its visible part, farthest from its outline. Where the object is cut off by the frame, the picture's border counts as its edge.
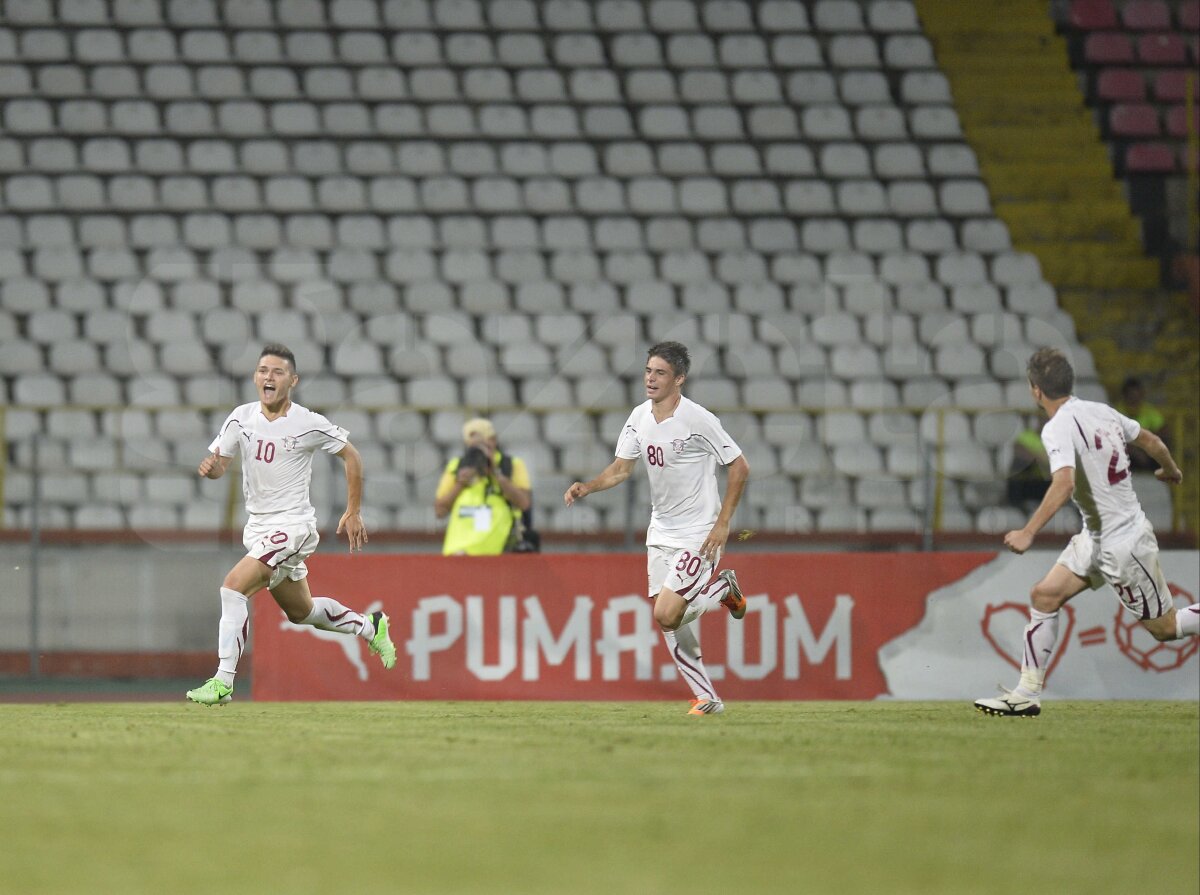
(861, 216)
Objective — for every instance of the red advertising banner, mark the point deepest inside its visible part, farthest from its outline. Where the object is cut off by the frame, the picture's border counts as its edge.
(558, 626)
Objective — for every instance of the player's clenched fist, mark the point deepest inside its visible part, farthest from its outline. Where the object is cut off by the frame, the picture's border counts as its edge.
(210, 466)
(576, 491)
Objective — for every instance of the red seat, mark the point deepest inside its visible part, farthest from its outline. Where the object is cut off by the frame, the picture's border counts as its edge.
(1120, 85)
(1177, 120)
(1108, 48)
(1188, 15)
(1162, 49)
(1149, 158)
(1133, 120)
(1146, 15)
(1170, 86)
(1092, 15)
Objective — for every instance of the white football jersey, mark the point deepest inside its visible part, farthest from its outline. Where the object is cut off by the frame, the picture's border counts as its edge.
(1091, 437)
(681, 455)
(277, 458)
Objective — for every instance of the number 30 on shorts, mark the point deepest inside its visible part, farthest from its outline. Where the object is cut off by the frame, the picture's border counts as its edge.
(689, 563)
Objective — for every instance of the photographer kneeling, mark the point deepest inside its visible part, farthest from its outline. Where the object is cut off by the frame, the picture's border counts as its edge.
(488, 496)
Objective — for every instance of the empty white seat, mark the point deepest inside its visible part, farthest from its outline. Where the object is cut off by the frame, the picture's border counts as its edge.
(961, 268)
(925, 87)
(934, 122)
(976, 298)
(853, 51)
(899, 160)
(827, 122)
(908, 51)
(858, 88)
(892, 15)
(930, 236)
(909, 198)
(838, 15)
(959, 361)
(1013, 268)
(861, 197)
(880, 122)
(952, 160)
(963, 198)
(1033, 298)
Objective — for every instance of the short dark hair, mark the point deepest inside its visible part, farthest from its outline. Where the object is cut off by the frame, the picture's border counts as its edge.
(1050, 371)
(277, 350)
(675, 354)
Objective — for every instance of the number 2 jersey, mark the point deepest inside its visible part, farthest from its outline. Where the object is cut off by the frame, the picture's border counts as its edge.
(681, 455)
(277, 458)
(1091, 437)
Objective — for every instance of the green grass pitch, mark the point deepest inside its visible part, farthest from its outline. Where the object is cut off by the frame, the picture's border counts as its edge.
(612, 798)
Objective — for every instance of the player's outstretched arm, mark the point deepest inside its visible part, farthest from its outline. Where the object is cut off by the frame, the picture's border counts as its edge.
(739, 472)
(1168, 470)
(618, 471)
(1062, 486)
(214, 465)
(352, 521)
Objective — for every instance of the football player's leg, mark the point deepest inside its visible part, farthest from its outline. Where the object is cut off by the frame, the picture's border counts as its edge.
(326, 613)
(684, 647)
(1147, 594)
(247, 577)
(669, 608)
(1041, 634)
(685, 594)
(720, 591)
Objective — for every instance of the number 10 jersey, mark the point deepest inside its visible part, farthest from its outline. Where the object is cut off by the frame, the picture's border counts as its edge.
(277, 458)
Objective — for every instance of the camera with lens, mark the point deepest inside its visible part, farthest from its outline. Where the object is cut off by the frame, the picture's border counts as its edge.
(477, 459)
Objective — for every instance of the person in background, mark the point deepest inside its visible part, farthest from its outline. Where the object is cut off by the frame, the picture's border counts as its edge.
(1029, 471)
(1133, 405)
(487, 495)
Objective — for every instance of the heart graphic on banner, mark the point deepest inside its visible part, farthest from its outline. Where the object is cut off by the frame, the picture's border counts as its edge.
(1001, 619)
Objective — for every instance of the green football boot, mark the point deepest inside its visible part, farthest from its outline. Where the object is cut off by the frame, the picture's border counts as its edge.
(381, 643)
(211, 692)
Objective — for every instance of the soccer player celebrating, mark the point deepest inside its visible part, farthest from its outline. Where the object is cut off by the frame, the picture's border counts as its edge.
(681, 443)
(277, 440)
(1085, 443)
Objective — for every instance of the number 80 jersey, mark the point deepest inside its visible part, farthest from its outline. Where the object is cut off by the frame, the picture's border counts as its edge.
(681, 454)
(1091, 437)
(277, 458)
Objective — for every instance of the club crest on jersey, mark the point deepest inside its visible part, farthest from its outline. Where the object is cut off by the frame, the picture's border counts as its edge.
(677, 445)
(290, 443)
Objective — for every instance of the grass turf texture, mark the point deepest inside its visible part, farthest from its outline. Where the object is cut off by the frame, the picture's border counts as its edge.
(584, 798)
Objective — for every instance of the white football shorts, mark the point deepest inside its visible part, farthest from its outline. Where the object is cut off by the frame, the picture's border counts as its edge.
(684, 571)
(282, 548)
(1130, 567)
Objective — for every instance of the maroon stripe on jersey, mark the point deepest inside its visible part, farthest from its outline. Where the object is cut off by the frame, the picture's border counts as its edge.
(265, 559)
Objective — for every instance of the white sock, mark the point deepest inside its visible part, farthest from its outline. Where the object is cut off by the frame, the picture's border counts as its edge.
(231, 633)
(1187, 621)
(330, 615)
(685, 650)
(708, 598)
(1040, 636)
